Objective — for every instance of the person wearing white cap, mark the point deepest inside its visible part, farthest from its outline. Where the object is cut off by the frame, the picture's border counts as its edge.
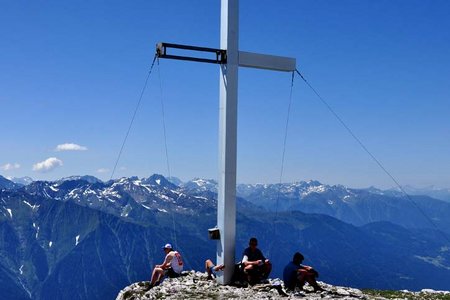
(171, 267)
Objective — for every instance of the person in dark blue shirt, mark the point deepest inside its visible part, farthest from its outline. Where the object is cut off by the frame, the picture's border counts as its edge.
(256, 266)
(295, 274)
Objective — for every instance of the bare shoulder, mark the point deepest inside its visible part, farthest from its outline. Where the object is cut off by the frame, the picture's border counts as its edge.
(171, 254)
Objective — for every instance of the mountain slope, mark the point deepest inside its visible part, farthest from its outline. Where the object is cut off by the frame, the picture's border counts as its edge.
(75, 239)
(62, 247)
(6, 184)
(355, 206)
(379, 255)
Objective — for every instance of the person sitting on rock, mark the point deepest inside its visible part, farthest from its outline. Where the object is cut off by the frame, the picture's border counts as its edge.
(256, 266)
(295, 274)
(211, 269)
(171, 267)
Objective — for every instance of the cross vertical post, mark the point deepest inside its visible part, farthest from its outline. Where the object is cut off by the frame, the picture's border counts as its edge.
(226, 202)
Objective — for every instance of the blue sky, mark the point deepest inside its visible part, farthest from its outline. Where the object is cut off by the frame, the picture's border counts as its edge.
(72, 72)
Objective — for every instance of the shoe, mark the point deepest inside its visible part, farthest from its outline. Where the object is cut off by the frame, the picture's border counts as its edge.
(280, 291)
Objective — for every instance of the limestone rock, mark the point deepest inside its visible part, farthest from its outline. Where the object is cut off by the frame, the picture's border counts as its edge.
(194, 285)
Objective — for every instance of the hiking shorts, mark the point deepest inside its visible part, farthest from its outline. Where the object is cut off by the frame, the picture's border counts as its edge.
(171, 273)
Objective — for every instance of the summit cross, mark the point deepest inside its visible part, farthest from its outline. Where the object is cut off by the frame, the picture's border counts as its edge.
(230, 61)
(226, 204)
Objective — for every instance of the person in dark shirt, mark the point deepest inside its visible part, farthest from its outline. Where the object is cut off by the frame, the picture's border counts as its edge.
(295, 274)
(256, 266)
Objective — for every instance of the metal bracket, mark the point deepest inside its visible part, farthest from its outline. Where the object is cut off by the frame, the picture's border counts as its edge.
(214, 233)
(221, 55)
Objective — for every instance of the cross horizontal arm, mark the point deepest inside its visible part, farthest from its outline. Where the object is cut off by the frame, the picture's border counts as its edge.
(221, 55)
(267, 62)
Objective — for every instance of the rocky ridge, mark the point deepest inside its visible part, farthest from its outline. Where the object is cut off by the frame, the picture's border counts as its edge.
(194, 285)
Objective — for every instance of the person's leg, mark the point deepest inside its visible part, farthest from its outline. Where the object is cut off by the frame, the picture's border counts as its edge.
(211, 269)
(156, 275)
(208, 266)
(301, 278)
(247, 268)
(257, 274)
(267, 268)
(311, 279)
(171, 273)
(249, 272)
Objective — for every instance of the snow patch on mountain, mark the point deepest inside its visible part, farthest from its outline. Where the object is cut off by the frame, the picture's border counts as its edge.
(314, 189)
(21, 180)
(87, 178)
(27, 203)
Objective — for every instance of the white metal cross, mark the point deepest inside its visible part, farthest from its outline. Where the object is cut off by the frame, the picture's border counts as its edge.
(226, 206)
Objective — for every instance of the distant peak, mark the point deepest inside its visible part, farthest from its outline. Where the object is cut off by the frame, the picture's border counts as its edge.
(6, 183)
(21, 180)
(88, 178)
(158, 180)
(313, 182)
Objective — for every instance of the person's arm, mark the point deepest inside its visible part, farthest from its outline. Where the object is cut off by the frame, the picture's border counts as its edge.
(263, 258)
(247, 262)
(167, 261)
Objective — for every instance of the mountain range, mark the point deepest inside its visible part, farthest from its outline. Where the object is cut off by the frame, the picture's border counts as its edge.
(431, 191)
(81, 238)
(354, 206)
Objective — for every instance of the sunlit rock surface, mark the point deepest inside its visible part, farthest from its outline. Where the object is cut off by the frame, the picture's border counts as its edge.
(195, 286)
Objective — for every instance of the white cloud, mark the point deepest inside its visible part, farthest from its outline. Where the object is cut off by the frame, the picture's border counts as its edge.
(102, 170)
(47, 165)
(70, 147)
(9, 167)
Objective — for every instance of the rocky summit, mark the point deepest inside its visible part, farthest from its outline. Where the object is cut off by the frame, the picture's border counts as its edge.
(194, 285)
